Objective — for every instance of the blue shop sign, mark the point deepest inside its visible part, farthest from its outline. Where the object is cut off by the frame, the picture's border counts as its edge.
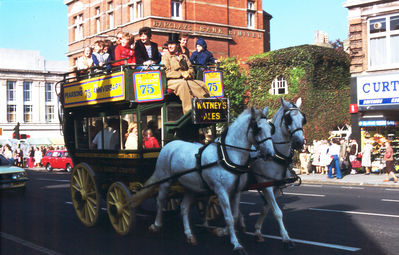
(374, 123)
(378, 90)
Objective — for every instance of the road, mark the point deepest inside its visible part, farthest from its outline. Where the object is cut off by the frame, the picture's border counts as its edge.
(321, 219)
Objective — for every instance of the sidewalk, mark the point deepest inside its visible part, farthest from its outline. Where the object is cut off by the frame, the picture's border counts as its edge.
(376, 180)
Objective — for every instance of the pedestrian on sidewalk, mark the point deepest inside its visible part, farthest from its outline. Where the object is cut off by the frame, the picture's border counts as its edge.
(353, 151)
(388, 157)
(366, 156)
(333, 152)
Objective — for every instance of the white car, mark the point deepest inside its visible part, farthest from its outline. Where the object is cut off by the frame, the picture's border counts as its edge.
(11, 177)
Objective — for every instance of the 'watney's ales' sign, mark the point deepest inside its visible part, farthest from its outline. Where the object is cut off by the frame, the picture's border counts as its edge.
(211, 110)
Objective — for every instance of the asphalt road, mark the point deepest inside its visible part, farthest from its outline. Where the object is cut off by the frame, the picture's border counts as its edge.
(320, 219)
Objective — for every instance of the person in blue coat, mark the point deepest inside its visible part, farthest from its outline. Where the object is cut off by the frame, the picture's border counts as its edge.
(202, 56)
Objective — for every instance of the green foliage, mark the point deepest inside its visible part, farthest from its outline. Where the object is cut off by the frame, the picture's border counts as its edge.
(319, 75)
(234, 82)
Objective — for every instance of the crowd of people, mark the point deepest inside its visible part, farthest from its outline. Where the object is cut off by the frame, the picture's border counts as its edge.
(31, 159)
(344, 157)
(143, 54)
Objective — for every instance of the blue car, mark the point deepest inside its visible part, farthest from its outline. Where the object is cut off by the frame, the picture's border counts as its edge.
(11, 177)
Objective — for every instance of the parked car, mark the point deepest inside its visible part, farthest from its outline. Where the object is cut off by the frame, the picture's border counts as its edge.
(11, 177)
(57, 159)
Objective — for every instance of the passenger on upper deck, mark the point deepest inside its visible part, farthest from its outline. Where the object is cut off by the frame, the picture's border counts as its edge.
(202, 56)
(124, 51)
(183, 40)
(100, 58)
(180, 75)
(146, 51)
(85, 61)
(112, 46)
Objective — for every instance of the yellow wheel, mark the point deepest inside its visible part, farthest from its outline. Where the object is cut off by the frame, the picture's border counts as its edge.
(85, 196)
(214, 210)
(120, 213)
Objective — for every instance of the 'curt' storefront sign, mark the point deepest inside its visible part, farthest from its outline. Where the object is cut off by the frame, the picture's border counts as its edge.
(378, 90)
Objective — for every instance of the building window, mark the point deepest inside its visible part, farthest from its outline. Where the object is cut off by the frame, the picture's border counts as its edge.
(384, 41)
(98, 23)
(49, 92)
(11, 113)
(110, 15)
(78, 27)
(27, 113)
(176, 10)
(11, 90)
(27, 91)
(49, 113)
(279, 86)
(251, 14)
(136, 10)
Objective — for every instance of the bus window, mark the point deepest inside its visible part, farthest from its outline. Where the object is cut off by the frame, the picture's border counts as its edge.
(129, 131)
(95, 129)
(81, 134)
(173, 113)
(152, 128)
(109, 138)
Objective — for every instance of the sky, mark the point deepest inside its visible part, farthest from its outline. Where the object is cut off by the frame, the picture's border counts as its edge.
(42, 24)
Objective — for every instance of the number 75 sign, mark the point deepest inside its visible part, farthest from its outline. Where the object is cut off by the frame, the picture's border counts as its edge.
(214, 83)
(148, 86)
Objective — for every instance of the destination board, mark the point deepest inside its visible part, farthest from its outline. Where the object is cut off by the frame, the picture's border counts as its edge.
(211, 110)
(107, 88)
(148, 86)
(214, 83)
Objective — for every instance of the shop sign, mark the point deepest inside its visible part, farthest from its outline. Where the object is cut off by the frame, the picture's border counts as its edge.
(374, 123)
(211, 110)
(378, 90)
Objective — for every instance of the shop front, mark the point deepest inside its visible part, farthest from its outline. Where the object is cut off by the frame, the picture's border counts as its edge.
(376, 114)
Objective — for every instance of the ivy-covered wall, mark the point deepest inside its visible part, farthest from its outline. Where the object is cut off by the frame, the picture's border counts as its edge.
(319, 75)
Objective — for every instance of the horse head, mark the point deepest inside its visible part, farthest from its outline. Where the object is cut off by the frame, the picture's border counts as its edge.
(261, 132)
(294, 120)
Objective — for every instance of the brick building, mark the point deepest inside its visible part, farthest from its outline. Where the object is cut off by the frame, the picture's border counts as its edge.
(230, 27)
(374, 51)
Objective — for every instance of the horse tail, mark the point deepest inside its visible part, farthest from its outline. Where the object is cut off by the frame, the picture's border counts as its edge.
(145, 193)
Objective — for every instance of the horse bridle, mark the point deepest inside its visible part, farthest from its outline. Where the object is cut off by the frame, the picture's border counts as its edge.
(288, 120)
(255, 130)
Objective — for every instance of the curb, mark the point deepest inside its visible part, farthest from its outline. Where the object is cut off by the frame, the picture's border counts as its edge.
(343, 183)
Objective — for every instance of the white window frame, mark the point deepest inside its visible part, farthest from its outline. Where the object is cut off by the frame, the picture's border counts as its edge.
(78, 27)
(27, 91)
(98, 21)
(136, 10)
(176, 9)
(251, 19)
(387, 34)
(28, 110)
(111, 20)
(279, 83)
(11, 91)
(50, 117)
(11, 113)
(49, 92)
(251, 5)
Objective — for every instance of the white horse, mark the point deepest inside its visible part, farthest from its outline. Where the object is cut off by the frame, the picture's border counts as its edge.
(288, 136)
(224, 165)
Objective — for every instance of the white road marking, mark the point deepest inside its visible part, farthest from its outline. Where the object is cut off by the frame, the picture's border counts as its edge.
(304, 194)
(52, 180)
(247, 203)
(28, 244)
(105, 209)
(350, 187)
(57, 186)
(312, 185)
(353, 212)
(390, 200)
(254, 214)
(327, 245)
(392, 189)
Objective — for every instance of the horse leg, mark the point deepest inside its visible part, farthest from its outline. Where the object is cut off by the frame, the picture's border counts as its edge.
(185, 210)
(162, 195)
(228, 217)
(259, 222)
(237, 216)
(278, 215)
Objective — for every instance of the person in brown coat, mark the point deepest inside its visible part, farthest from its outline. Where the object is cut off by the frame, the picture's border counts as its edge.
(388, 157)
(180, 73)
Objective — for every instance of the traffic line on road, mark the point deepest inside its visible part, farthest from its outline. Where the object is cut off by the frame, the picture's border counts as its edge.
(354, 212)
(304, 194)
(312, 185)
(390, 200)
(327, 245)
(392, 189)
(28, 244)
(247, 203)
(105, 209)
(350, 187)
(52, 180)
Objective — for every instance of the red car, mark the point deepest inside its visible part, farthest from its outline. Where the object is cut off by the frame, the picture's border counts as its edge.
(57, 159)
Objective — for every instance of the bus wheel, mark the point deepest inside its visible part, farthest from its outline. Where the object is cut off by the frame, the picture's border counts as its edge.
(85, 195)
(120, 213)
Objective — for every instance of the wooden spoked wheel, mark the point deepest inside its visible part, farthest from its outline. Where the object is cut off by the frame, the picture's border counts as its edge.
(85, 195)
(120, 213)
(213, 209)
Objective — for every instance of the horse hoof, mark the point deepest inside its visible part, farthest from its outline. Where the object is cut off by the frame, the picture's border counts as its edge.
(240, 251)
(289, 245)
(153, 228)
(259, 238)
(192, 241)
(218, 232)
